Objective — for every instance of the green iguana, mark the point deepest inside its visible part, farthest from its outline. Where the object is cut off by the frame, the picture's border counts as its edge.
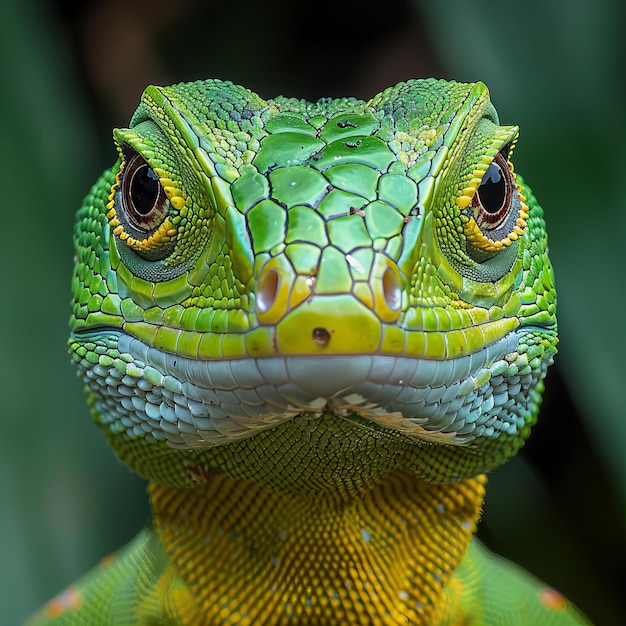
(313, 328)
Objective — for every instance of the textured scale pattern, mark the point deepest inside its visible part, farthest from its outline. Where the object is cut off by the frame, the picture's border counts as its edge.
(312, 327)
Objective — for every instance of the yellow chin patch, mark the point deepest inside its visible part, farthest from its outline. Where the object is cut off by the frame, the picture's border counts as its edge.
(253, 555)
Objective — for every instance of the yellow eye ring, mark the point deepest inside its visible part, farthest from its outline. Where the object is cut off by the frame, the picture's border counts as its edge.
(498, 212)
(142, 195)
(138, 207)
(492, 200)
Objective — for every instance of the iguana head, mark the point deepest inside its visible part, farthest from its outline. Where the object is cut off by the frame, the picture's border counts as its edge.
(346, 278)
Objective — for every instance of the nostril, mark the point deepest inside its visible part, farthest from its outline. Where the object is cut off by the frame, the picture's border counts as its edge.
(391, 290)
(267, 291)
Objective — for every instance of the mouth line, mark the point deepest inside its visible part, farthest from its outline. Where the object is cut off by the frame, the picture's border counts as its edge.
(437, 346)
(193, 403)
(97, 330)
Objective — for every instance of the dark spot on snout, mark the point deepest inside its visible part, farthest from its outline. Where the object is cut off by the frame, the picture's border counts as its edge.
(321, 336)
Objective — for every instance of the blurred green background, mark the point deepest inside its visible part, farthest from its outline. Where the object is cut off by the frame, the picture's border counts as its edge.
(70, 71)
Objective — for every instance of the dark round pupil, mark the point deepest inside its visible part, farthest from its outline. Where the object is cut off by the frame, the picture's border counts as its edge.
(144, 190)
(492, 189)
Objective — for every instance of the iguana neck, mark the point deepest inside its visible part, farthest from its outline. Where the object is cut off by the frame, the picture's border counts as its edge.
(379, 555)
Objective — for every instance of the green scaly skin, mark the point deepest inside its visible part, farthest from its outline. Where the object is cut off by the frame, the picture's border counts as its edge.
(312, 328)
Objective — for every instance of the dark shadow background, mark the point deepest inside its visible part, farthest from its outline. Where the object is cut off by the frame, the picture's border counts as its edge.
(70, 71)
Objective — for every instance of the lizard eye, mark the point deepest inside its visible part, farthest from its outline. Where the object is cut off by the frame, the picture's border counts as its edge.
(139, 210)
(497, 214)
(143, 197)
(492, 200)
